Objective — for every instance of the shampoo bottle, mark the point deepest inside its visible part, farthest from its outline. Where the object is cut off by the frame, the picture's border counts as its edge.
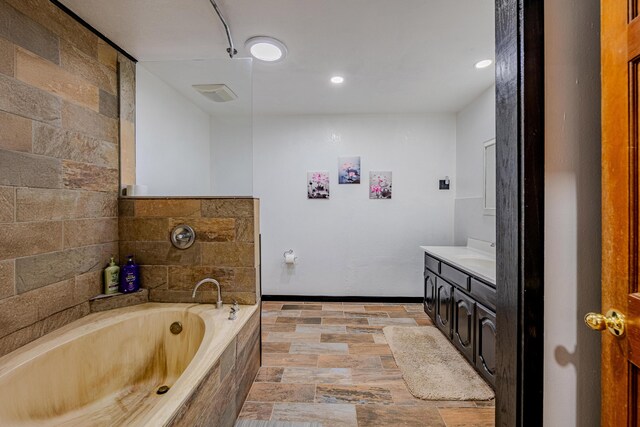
(111, 276)
(130, 277)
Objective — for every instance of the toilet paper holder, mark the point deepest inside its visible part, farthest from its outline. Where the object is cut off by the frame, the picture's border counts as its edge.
(289, 252)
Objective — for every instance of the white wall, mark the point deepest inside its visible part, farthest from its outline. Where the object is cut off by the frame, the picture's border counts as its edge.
(350, 245)
(572, 212)
(231, 155)
(475, 125)
(172, 140)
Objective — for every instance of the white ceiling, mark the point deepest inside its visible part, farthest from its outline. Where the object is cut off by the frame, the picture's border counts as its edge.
(397, 56)
(182, 75)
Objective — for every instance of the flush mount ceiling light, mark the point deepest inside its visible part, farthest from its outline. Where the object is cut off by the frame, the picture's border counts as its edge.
(337, 80)
(266, 49)
(484, 63)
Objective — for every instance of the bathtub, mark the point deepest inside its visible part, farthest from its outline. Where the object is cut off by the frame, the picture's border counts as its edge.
(106, 368)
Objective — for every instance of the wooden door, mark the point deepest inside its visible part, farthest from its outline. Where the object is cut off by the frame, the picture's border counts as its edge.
(620, 35)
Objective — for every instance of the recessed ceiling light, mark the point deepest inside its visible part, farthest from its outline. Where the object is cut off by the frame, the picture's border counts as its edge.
(266, 49)
(484, 63)
(337, 79)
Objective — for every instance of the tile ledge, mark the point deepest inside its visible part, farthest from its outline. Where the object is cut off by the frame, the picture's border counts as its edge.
(104, 302)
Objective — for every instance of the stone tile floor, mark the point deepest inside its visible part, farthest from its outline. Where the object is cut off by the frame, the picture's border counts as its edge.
(330, 364)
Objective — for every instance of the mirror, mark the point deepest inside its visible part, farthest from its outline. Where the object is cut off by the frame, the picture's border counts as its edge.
(194, 127)
(490, 177)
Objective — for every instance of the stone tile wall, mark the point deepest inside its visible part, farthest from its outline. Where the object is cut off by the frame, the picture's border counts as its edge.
(127, 73)
(67, 106)
(59, 172)
(226, 246)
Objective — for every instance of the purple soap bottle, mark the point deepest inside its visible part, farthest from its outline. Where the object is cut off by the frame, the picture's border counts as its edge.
(129, 276)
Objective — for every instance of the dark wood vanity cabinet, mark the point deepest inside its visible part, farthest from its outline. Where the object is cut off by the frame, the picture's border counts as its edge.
(429, 292)
(443, 316)
(485, 324)
(463, 308)
(463, 323)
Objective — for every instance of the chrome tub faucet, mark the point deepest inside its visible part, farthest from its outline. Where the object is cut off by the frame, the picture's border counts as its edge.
(208, 280)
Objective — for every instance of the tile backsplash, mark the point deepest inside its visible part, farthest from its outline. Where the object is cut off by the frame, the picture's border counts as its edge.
(226, 246)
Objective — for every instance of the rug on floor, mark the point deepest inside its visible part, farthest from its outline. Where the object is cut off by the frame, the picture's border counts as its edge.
(431, 366)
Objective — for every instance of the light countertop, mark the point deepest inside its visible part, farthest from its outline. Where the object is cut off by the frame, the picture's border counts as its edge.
(478, 258)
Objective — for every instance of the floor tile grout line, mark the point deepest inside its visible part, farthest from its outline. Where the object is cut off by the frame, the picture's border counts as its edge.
(273, 408)
(315, 392)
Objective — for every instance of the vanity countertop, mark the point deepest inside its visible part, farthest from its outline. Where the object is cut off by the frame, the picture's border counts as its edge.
(476, 258)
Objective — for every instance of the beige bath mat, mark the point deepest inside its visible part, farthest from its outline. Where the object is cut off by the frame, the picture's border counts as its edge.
(431, 366)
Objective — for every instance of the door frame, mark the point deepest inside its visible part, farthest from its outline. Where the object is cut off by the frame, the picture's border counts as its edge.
(520, 211)
(519, 35)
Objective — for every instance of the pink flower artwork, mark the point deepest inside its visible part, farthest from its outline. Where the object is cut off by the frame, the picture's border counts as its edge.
(349, 170)
(380, 185)
(318, 185)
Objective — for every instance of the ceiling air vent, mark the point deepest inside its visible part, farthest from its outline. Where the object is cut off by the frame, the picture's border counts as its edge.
(216, 92)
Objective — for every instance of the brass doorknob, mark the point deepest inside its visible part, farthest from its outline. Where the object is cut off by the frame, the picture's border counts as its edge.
(613, 321)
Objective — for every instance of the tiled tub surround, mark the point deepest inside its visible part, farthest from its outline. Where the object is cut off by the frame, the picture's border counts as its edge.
(330, 363)
(105, 369)
(59, 137)
(226, 246)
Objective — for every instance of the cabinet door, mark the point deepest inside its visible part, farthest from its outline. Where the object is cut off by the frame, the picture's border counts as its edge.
(486, 343)
(463, 323)
(443, 306)
(429, 293)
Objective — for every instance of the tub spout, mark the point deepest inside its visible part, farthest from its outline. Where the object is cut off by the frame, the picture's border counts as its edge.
(207, 280)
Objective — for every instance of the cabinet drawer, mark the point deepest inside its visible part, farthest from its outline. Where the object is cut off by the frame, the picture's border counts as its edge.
(432, 264)
(454, 276)
(483, 293)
